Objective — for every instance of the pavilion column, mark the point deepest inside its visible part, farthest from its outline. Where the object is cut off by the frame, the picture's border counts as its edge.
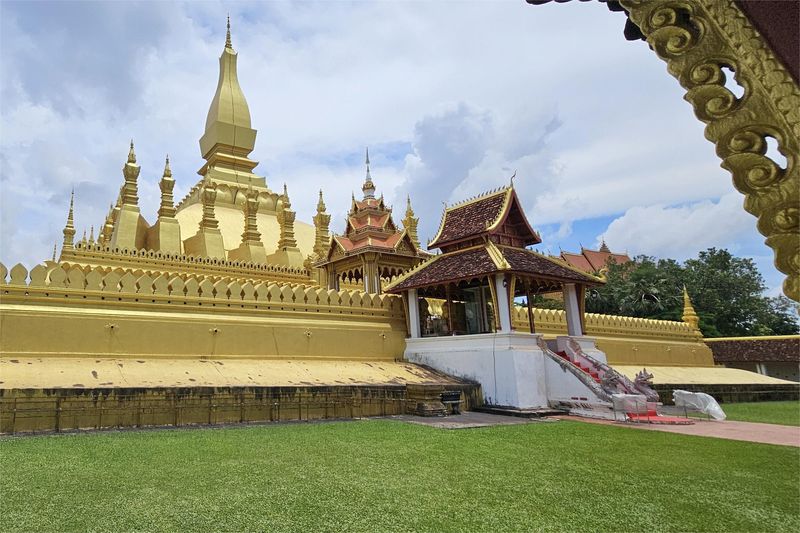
(573, 310)
(413, 314)
(503, 304)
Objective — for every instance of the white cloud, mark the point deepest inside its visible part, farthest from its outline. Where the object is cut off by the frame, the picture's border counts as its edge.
(682, 231)
(452, 98)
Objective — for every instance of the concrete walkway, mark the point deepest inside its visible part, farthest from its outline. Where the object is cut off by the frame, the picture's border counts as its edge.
(728, 429)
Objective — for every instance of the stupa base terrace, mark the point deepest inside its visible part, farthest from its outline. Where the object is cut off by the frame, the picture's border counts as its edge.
(92, 348)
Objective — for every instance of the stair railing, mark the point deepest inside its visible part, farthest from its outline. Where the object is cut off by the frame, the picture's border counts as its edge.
(626, 384)
(582, 376)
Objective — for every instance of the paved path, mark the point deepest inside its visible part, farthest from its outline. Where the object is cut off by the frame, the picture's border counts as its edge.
(728, 429)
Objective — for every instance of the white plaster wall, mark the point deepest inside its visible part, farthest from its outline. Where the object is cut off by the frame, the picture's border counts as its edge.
(509, 366)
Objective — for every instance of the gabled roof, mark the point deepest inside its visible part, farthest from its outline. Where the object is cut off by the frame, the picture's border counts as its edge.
(594, 260)
(487, 258)
(480, 216)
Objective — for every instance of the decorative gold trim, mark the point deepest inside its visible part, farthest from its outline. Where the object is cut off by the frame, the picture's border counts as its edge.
(698, 39)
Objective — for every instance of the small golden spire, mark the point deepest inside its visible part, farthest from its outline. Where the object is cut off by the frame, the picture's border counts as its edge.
(228, 35)
(368, 187)
(167, 170)
(689, 314)
(320, 203)
(54, 251)
(91, 235)
(69, 229)
(131, 154)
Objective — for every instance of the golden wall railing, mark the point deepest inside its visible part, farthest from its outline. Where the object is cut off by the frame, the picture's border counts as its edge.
(90, 311)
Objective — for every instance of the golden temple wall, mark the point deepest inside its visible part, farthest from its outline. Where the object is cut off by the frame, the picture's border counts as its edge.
(627, 340)
(92, 312)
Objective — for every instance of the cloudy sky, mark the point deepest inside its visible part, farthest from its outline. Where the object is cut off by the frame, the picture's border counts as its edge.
(451, 98)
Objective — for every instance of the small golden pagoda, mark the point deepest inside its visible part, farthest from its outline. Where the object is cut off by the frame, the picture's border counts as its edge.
(372, 249)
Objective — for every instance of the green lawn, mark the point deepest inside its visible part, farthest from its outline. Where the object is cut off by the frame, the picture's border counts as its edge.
(784, 413)
(381, 475)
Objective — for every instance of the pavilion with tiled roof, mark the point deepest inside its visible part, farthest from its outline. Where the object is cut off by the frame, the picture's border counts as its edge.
(594, 261)
(372, 248)
(483, 266)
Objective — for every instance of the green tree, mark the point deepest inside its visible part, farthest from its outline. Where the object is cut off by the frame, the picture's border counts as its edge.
(726, 291)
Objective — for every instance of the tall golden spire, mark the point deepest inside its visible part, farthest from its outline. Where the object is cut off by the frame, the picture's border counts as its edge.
(69, 229)
(689, 315)
(229, 137)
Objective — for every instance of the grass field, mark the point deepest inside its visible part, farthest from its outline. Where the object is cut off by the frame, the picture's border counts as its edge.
(380, 475)
(784, 413)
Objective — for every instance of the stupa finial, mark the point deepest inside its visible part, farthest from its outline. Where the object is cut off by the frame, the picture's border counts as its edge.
(320, 203)
(228, 34)
(131, 154)
(368, 187)
(167, 169)
(55, 246)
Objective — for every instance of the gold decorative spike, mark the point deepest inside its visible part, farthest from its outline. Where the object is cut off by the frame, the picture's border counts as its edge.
(368, 187)
(701, 39)
(131, 154)
(285, 198)
(322, 222)
(69, 229)
(286, 219)
(55, 246)
(167, 184)
(130, 189)
(410, 223)
(91, 235)
(689, 315)
(228, 34)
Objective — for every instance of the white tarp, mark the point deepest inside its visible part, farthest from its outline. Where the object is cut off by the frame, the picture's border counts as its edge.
(698, 401)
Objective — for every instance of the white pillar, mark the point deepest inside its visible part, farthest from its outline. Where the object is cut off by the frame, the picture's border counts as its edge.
(413, 314)
(573, 310)
(503, 305)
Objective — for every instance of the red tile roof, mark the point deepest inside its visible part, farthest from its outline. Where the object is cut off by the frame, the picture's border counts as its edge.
(483, 216)
(463, 264)
(477, 262)
(578, 261)
(593, 260)
(530, 262)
